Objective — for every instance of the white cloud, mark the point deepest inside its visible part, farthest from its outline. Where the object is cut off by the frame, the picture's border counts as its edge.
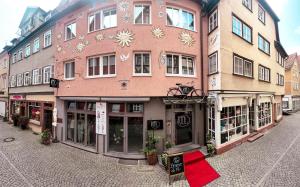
(297, 30)
(293, 49)
(278, 6)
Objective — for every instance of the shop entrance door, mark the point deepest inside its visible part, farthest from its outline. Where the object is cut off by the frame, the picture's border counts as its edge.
(116, 134)
(48, 119)
(183, 127)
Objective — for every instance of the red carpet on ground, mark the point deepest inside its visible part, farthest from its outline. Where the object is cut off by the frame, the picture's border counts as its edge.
(197, 170)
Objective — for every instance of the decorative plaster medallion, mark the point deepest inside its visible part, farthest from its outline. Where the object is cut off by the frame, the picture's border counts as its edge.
(158, 33)
(124, 84)
(80, 46)
(99, 37)
(186, 38)
(123, 6)
(162, 57)
(81, 37)
(86, 42)
(59, 36)
(124, 38)
(126, 18)
(161, 14)
(124, 57)
(111, 37)
(59, 48)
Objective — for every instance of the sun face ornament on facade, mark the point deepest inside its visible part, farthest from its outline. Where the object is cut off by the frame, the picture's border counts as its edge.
(186, 38)
(158, 33)
(124, 38)
(99, 37)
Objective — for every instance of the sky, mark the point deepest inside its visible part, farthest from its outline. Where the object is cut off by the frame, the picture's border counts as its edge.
(11, 12)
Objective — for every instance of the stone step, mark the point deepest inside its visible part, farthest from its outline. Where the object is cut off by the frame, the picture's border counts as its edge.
(255, 137)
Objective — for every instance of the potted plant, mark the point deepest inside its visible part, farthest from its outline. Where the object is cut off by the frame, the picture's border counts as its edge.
(23, 122)
(150, 149)
(168, 145)
(45, 137)
(210, 145)
(15, 118)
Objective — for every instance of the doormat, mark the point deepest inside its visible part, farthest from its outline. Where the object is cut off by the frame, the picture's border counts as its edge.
(128, 162)
(9, 139)
(197, 170)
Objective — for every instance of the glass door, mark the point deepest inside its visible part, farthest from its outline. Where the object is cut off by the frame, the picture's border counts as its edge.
(135, 134)
(183, 127)
(116, 134)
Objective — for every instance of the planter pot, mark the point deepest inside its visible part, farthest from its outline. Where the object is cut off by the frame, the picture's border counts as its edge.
(46, 141)
(152, 158)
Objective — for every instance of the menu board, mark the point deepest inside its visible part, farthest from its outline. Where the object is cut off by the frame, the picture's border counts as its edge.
(155, 125)
(101, 118)
(175, 163)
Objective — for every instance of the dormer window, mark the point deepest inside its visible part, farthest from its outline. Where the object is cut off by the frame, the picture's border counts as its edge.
(27, 50)
(248, 4)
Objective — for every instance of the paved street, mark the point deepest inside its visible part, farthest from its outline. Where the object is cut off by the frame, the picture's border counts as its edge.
(273, 160)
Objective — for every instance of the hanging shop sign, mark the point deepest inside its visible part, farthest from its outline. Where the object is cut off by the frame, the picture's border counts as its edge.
(101, 118)
(54, 83)
(155, 125)
(17, 97)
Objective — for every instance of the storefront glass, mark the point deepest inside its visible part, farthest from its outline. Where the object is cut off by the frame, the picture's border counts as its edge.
(264, 114)
(233, 123)
(70, 126)
(80, 128)
(91, 128)
(184, 127)
(116, 131)
(34, 111)
(211, 122)
(135, 134)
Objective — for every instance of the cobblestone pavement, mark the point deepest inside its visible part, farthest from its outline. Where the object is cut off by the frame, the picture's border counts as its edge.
(273, 160)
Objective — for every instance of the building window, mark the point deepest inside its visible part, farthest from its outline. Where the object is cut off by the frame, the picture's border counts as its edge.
(108, 65)
(109, 18)
(27, 79)
(69, 70)
(20, 80)
(264, 73)
(264, 114)
(135, 107)
(14, 58)
(34, 111)
(285, 104)
(180, 65)
(142, 14)
(142, 64)
(36, 76)
(20, 54)
(36, 45)
(213, 63)
(94, 21)
(13, 81)
(213, 21)
(248, 4)
(263, 44)
(70, 31)
(47, 74)
(94, 66)
(242, 66)
(296, 86)
(279, 59)
(3, 83)
(233, 123)
(241, 29)
(280, 80)
(47, 39)
(261, 14)
(211, 122)
(27, 50)
(180, 18)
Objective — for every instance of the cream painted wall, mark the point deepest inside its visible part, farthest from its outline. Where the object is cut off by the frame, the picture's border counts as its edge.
(292, 77)
(230, 43)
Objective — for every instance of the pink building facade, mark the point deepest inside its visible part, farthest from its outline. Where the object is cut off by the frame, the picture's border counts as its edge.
(121, 58)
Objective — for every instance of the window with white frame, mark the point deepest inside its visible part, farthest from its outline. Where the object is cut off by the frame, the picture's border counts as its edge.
(261, 14)
(36, 45)
(109, 18)
(142, 64)
(280, 79)
(108, 65)
(47, 38)
(27, 50)
(248, 4)
(233, 123)
(94, 66)
(264, 114)
(69, 70)
(213, 63)
(14, 59)
(180, 65)
(142, 14)
(20, 54)
(27, 79)
(94, 21)
(263, 44)
(47, 74)
(70, 31)
(3, 83)
(180, 18)
(211, 122)
(264, 73)
(13, 81)
(241, 29)
(20, 80)
(213, 21)
(36, 76)
(242, 66)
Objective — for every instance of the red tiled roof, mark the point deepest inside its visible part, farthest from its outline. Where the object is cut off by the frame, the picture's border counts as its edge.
(290, 61)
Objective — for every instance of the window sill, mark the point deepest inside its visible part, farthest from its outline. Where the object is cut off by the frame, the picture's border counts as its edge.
(45, 47)
(67, 40)
(213, 73)
(264, 52)
(90, 32)
(142, 24)
(98, 77)
(178, 75)
(171, 26)
(142, 75)
(242, 76)
(69, 79)
(264, 81)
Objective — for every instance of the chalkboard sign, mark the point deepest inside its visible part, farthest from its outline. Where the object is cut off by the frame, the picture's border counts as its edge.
(175, 163)
(155, 124)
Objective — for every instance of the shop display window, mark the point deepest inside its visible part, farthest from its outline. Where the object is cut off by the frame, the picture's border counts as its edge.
(211, 122)
(264, 114)
(34, 111)
(117, 107)
(233, 123)
(135, 107)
